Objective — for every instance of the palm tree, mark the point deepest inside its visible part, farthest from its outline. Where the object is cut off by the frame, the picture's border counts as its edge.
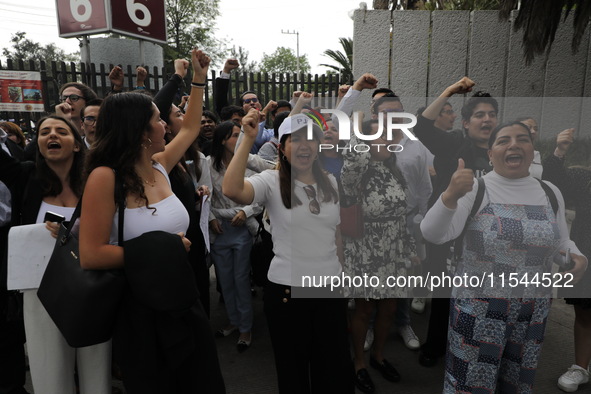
(540, 18)
(344, 60)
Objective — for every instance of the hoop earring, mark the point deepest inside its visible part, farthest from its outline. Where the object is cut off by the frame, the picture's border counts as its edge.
(283, 157)
(490, 163)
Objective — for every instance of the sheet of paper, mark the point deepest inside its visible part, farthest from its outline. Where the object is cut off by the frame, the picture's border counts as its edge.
(204, 219)
(29, 250)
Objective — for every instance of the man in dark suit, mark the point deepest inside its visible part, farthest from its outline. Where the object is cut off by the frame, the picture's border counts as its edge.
(12, 331)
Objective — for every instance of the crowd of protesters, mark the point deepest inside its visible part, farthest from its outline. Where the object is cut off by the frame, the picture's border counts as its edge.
(280, 166)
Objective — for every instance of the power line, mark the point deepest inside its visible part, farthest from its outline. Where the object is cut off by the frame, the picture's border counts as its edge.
(27, 13)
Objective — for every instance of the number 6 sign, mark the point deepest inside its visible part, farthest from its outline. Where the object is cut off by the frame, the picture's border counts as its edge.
(143, 19)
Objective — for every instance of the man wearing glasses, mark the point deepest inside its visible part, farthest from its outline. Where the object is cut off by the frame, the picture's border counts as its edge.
(89, 115)
(74, 97)
(447, 117)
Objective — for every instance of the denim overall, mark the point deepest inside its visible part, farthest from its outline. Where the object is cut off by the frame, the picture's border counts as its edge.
(496, 333)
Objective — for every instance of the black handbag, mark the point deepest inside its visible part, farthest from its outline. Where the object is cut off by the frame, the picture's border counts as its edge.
(261, 254)
(83, 304)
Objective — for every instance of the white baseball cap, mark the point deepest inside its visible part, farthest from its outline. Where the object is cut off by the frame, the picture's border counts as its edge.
(297, 122)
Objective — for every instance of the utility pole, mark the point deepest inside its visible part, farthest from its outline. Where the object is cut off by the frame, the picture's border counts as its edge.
(297, 33)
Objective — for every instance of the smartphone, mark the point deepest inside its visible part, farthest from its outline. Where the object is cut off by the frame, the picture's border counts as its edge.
(53, 217)
(568, 263)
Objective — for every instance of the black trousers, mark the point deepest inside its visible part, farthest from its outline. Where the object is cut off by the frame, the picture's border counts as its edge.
(436, 341)
(310, 342)
(12, 352)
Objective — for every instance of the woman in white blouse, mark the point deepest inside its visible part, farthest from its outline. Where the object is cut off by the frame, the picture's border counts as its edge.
(309, 335)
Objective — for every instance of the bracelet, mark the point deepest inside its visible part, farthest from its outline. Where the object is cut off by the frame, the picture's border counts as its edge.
(140, 87)
(198, 84)
(198, 87)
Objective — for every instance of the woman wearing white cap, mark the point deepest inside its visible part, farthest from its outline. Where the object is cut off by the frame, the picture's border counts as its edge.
(309, 335)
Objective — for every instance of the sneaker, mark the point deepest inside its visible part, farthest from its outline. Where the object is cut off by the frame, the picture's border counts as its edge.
(409, 337)
(571, 379)
(418, 305)
(368, 339)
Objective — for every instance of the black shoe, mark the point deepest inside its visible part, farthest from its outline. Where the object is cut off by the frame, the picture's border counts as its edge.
(364, 382)
(386, 369)
(427, 360)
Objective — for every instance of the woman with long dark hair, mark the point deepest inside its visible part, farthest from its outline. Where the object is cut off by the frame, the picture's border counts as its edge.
(161, 347)
(190, 178)
(232, 228)
(54, 183)
(309, 335)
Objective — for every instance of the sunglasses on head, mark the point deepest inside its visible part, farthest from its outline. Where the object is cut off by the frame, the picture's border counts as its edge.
(251, 100)
(73, 98)
(385, 111)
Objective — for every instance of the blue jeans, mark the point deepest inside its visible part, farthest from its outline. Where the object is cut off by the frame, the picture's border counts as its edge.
(231, 257)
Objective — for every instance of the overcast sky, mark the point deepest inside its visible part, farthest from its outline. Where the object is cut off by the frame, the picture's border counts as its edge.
(254, 25)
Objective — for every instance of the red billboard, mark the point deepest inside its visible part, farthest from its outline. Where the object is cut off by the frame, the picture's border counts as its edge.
(144, 19)
(79, 17)
(21, 91)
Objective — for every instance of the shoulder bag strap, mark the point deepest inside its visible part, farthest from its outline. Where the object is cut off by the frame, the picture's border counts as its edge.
(550, 194)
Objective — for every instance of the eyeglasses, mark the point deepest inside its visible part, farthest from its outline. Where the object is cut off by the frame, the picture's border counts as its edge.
(448, 112)
(314, 204)
(89, 120)
(253, 100)
(73, 98)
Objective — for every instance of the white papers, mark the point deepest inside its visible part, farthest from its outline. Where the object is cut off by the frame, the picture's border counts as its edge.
(29, 250)
(204, 219)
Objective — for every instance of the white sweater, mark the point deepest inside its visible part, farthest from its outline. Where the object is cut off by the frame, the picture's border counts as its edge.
(442, 224)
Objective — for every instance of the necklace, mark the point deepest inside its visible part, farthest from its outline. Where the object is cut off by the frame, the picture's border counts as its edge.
(150, 183)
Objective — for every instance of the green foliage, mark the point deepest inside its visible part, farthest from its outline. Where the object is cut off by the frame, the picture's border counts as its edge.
(241, 55)
(343, 59)
(283, 60)
(191, 23)
(25, 49)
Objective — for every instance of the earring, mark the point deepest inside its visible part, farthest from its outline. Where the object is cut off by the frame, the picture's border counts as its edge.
(283, 157)
(490, 163)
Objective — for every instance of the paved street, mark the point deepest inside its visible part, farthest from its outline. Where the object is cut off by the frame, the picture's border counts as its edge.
(252, 372)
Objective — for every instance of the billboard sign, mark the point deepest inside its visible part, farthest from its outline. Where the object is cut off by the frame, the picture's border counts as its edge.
(144, 19)
(21, 91)
(80, 17)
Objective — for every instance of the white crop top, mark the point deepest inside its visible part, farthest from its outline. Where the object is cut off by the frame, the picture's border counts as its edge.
(170, 216)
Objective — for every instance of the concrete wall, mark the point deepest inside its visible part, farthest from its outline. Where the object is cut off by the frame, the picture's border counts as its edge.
(429, 51)
(123, 51)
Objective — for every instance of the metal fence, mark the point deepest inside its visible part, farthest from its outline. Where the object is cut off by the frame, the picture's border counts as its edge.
(269, 86)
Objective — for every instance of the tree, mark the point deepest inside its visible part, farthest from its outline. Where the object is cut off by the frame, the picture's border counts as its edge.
(25, 49)
(344, 60)
(191, 23)
(539, 20)
(283, 60)
(241, 55)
